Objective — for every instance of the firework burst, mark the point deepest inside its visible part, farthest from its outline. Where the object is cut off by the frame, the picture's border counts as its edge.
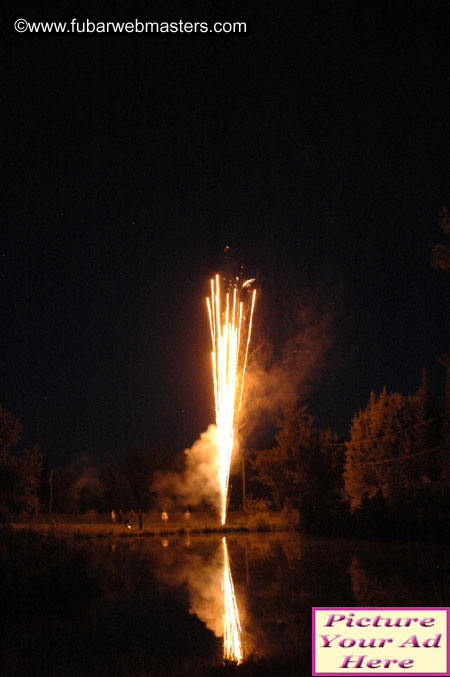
(230, 320)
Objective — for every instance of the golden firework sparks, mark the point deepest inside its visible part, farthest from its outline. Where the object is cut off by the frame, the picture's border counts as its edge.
(232, 644)
(231, 326)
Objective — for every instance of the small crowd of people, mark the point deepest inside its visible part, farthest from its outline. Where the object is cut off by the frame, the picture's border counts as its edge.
(122, 518)
(127, 520)
(165, 517)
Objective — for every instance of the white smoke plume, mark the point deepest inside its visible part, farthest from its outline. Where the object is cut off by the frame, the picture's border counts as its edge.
(199, 482)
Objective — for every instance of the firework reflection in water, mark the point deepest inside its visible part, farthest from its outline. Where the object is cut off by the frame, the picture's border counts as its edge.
(231, 326)
(232, 644)
(211, 590)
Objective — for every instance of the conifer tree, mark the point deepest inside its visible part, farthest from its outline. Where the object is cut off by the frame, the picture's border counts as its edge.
(380, 437)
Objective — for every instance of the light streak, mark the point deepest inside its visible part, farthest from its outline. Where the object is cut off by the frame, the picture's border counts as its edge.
(232, 644)
(231, 326)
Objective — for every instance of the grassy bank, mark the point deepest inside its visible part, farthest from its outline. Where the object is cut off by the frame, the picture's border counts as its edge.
(98, 525)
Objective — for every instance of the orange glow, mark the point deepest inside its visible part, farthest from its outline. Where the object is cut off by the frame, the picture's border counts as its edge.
(231, 325)
(232, 644)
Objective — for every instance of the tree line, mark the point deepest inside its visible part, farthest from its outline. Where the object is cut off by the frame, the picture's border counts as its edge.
(28, 485)
(391, 476)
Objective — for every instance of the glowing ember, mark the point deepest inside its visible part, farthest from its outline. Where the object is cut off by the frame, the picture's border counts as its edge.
(231, 325)
(232, 645)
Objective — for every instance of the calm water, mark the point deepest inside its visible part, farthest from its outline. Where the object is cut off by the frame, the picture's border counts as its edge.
(154, 606)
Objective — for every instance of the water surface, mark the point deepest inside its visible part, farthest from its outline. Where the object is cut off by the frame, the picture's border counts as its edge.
(154, 605)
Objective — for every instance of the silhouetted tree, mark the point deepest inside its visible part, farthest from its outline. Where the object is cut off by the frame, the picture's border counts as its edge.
(392, 462)
(44, 485)
(139, 466)
(440, 253)
(445, 454)
(64, 500)
(118, 491)
(26, 490)
(303, 469)
(10, 431)
(19, 475)
(440, 258)
(427, 433)
(78, 488)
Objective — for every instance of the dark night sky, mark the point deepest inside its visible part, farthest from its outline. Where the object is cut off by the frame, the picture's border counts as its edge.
(317, 147)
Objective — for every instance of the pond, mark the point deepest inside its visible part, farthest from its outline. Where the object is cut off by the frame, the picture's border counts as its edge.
(157, 605)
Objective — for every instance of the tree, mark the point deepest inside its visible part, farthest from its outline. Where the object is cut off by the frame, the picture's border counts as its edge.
(139, 467)
(440, 253)
(427, 433)
(64, 500)
(87, 490)
(10, 431)
(20, 476)
(445, 455)
(29, 467)
(44, 485)
(303, 469)
(279, 468)
(440, 258)
(382, 456)
(118, 492)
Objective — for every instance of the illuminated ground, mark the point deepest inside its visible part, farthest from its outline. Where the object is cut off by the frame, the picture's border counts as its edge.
(97, 524)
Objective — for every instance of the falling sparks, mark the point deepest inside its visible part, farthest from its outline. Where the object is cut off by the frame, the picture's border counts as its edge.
(232, 644)
(231, 326)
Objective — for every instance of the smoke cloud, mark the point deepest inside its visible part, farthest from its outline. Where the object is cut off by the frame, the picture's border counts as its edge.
(199, 482)
(87, 480)
(277, 376)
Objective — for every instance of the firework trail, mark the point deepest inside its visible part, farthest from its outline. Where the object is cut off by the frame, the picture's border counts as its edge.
(231, 326)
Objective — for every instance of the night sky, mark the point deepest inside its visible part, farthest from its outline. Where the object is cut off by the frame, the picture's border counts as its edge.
(317, 147)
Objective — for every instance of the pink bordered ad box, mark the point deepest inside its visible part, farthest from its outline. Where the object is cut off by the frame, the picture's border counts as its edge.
(358, 641)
